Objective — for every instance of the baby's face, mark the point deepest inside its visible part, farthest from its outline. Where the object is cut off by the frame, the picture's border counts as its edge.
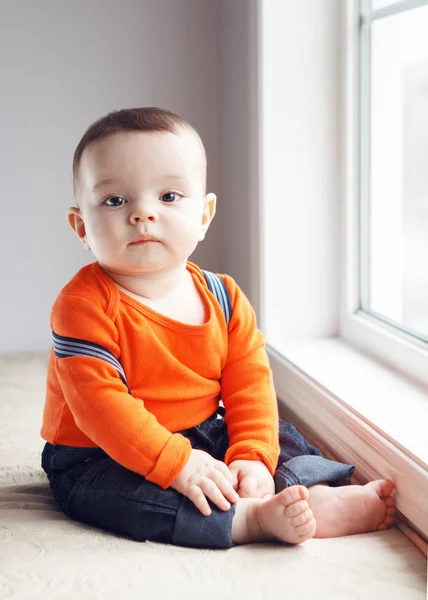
(135, 183)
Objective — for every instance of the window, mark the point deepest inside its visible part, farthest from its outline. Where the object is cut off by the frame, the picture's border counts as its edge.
(391, 235)
(394, 164)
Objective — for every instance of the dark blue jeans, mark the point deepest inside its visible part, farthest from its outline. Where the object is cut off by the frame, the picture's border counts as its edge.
(92, 488)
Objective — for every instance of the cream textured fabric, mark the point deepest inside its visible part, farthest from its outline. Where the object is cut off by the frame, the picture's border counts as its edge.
(45, 555)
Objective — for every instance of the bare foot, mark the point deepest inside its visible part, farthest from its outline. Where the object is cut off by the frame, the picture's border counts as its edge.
(285, 517)
(352, 509)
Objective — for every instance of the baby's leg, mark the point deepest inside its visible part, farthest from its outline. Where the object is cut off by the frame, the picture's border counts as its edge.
(347, 510)
(337, 511)
(300, 463)
(98, 491)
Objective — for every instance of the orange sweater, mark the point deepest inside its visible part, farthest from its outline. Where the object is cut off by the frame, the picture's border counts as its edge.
(176, 374)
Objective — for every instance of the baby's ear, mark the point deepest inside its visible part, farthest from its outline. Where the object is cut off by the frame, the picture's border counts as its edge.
(210, 201)
(77, 224)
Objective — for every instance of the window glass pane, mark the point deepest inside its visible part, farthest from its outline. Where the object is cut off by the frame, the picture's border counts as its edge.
(381, 3)
(398, 216)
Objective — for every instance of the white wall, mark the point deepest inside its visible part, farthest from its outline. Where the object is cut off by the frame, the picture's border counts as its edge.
(300, 57)
(63, 65)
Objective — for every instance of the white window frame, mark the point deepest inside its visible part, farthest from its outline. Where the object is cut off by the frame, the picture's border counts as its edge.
(402, 351)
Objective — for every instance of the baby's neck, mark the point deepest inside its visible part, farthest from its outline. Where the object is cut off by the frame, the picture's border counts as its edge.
(161, 287)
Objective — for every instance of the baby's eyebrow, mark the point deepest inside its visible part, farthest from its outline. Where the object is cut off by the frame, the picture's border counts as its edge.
(114, 180)
(182, 177)
(104, 182)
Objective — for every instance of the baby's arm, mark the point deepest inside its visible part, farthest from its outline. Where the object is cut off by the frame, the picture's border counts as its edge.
(247, 389)
(98, 401)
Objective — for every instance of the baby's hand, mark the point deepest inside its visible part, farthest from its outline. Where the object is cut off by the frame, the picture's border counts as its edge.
(252, 479)
(205, 477)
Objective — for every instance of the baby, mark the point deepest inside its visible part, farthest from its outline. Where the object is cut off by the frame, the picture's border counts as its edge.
(161, 420)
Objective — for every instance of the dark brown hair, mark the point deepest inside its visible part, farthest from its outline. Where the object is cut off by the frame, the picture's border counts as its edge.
(146, 119)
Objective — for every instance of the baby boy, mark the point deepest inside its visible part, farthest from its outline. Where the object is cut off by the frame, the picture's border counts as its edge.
(146, 344)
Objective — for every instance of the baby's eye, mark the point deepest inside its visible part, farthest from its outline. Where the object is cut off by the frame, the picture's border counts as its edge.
(170, 197)
(114, 201)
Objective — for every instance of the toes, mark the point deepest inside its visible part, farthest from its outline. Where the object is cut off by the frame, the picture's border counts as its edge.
(383, 487)
(307, 530)
(389, 501)
(387, 522)
(302, 518)
(294, 493)
(387, 487)
(390, 512)
(296, 508)
(300, 492)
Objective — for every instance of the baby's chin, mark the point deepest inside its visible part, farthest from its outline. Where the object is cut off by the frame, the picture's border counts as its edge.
(141, 268)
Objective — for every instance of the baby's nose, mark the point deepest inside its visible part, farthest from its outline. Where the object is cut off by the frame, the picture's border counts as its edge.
(144, 211)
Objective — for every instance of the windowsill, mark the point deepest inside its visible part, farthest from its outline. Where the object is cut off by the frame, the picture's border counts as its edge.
(367, 414)
(392, 405)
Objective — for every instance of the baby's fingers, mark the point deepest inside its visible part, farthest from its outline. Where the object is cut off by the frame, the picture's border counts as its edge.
(212, 491)
(224, 485)
(224, 470)
(197, 496)
(248, 487)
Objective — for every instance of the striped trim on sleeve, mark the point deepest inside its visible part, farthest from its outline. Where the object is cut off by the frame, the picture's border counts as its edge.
(65, 347)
